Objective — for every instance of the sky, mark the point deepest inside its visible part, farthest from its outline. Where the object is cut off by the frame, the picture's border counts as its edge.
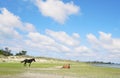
(84, 30)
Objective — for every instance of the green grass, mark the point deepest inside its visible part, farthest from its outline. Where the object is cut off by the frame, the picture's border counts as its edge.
(82, 70)
(10, 68)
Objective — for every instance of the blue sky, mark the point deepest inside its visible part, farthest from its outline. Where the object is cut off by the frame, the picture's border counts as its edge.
(84, 30)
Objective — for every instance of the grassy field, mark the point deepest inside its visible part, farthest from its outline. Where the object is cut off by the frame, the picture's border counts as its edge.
(78, 70)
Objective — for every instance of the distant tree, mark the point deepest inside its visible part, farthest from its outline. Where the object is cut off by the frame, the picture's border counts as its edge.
(1, 52)
(21, 53)
(6, 52)
(24, 52)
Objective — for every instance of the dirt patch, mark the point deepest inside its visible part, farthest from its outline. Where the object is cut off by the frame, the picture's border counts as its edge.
(29, 74)
(51, 68)
(37, 75)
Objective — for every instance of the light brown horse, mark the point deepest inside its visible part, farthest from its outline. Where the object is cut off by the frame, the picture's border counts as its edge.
(66, 66)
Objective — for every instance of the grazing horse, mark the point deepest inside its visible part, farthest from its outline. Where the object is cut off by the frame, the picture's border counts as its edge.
(66, 66)
(28, 61)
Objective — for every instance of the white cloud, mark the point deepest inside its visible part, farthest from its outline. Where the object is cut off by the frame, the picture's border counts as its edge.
(12, 29)
(105, 38)
(9, 32)
(82, 49)
(92, 38)
(76, 35)
(45, 43)
(9, 19)
(39, 38)
(64, 38)
(105, 43)
(10, 23)
(29, 27)
(58, 42)
(57, 9)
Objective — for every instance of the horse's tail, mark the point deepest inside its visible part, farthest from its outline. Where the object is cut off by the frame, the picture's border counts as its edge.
(22, 61)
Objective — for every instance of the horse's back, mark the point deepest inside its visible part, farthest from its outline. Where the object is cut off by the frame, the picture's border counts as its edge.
(66, 66)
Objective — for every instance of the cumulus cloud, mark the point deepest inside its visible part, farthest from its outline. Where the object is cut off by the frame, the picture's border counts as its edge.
(12, 29)
(57, 9)
(105, 43)
(58, 42)
(49, 42)
(64, 38)
(9, 19)
(10, 23)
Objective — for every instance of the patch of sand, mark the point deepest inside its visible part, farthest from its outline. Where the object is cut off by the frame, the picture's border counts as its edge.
(37, 75)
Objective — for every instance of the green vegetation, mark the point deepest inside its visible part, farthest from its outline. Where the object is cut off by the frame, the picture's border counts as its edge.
(83, 70)
(78, 69)
(21, 53)
(5, 52)
(10, 68)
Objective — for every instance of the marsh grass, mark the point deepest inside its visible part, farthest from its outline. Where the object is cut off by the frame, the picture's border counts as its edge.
(10, 68)
(80, 70)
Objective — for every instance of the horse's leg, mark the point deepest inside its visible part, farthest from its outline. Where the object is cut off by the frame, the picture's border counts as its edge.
(25, 64)
(29, 64)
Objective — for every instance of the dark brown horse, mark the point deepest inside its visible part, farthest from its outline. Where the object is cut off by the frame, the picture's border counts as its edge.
(28, 61)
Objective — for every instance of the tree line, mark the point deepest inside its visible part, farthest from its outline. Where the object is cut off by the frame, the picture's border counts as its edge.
(99, 62)
(7, 52)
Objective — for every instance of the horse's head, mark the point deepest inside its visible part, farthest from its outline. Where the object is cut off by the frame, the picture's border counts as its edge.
(33, 59)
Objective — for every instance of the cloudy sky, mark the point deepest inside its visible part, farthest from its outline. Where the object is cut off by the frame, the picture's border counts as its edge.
(84, 30)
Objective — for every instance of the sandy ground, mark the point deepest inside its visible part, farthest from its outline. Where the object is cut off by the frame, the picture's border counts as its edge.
(29, 74)
(37, 75)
